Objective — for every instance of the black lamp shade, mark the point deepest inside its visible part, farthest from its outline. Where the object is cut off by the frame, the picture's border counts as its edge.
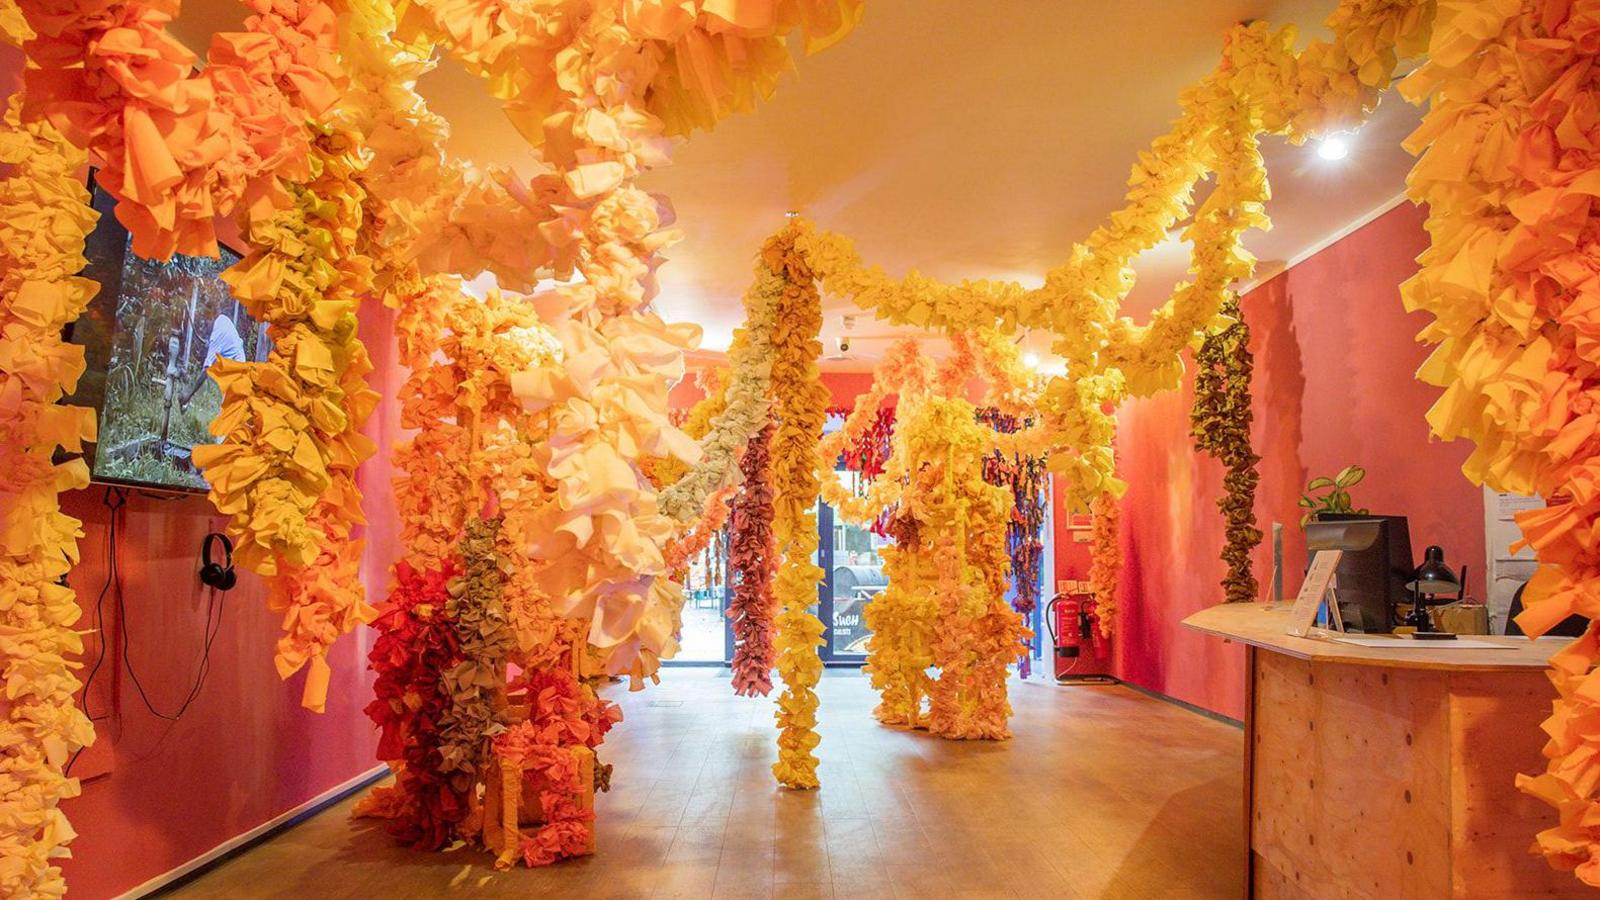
(1433, 576)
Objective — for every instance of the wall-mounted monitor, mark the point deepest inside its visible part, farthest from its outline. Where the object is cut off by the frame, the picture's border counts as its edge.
(148, 337)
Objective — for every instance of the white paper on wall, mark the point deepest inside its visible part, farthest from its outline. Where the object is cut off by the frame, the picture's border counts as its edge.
(1507, 570)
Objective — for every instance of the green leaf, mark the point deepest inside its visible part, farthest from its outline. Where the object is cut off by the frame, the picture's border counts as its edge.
(1350, 475)
(1307, 502)
(1319, 482)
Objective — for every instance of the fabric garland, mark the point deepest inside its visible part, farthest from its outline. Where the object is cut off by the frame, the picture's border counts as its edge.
(800, 407)
(1027, 478)
(753, 565)
(1105, 560)
(417, 643)
(1262, 85)
(867, 451)
(1508, 170)
(243, 135)
(46, 217)
(476, 685)
(291, 426)
(944, 604)
(1220, 424)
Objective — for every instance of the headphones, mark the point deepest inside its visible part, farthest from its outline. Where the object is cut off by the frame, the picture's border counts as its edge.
(218, 575)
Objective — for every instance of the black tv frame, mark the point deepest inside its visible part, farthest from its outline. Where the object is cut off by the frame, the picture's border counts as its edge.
(105, 249)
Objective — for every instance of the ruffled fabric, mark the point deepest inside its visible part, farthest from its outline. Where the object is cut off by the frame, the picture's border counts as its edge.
(1105, 560)
(705, 531)
(470, 483)
(800, 406)
(901, 618)
(603, 536)
(1261, 85)
(1509, 172)
(417, 642)
(476, 685)
(290, 426)
(947, 497)
(1219, 422)
(698, 61)
(181, 144)
(961, 525)
(744, 409)
(753, 563)
(542, 756)
(696, 423)
(44, 218)
(1027, 478)
(179, 147)
(867, 449)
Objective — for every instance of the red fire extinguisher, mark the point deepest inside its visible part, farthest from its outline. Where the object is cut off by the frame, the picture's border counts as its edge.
(1075, 633)
(1071, 626)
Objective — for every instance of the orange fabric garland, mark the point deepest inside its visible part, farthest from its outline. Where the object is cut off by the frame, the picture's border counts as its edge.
(44, 219)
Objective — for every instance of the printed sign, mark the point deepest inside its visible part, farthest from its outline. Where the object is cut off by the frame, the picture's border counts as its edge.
(1312, 590)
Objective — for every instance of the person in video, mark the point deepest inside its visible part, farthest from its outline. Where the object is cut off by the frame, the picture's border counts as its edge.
(225, 343)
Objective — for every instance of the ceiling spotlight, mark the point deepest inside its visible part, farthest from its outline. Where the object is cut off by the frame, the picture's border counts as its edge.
(1030, 359)
(1333, 148)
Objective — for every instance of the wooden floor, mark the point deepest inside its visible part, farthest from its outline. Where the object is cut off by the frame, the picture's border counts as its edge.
(1102, 793)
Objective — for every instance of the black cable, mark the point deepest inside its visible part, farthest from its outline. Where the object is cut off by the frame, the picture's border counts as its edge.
(115, 499)
(210, 632)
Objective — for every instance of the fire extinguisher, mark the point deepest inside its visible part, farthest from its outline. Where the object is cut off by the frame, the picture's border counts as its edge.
(1071, 625)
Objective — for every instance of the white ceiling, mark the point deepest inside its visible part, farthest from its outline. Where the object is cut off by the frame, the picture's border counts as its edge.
(960, 143)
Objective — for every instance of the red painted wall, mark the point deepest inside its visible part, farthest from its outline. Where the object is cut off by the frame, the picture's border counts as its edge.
(245, 751)
(157, 793)
(1334, 384)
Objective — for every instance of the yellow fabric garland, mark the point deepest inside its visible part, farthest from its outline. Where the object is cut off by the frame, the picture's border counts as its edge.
(800, 407)
(1262, 85)
(44, 218)
(290, 427)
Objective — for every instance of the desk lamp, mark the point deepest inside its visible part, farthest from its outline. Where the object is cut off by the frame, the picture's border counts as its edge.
(1431, 578)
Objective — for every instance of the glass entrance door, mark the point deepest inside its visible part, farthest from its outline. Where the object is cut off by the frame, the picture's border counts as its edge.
(853, 575)
(706, 637)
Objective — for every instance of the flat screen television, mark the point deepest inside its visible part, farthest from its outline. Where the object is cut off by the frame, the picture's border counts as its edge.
(148, 337)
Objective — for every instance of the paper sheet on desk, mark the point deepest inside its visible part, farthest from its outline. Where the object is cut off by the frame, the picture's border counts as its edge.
(1391, 643)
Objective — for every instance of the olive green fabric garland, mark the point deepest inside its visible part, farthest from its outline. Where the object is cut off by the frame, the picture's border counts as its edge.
(1220, 425)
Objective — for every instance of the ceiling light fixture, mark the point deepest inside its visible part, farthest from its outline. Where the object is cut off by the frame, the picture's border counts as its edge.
(1334, 147)
(1031, 360)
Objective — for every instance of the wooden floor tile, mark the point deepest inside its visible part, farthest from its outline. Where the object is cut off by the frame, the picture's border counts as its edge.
(1102, 793)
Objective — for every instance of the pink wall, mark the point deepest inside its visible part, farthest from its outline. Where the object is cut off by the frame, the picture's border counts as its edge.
(157, 794)
(245, 751)
(1334, 384)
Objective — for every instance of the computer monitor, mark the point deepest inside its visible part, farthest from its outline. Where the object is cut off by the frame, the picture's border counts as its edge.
(1372, 574)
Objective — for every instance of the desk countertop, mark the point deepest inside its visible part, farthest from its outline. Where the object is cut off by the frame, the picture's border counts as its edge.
(1264, 626)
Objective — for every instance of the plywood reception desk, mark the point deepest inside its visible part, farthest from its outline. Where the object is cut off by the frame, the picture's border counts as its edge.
(1372, 772)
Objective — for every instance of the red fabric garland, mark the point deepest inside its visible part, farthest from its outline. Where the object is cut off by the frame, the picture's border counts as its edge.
(752, 566)
(868, 453)
(563, 714)
(416, 643)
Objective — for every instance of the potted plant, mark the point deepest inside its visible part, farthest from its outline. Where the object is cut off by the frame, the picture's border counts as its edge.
(1330, 495)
